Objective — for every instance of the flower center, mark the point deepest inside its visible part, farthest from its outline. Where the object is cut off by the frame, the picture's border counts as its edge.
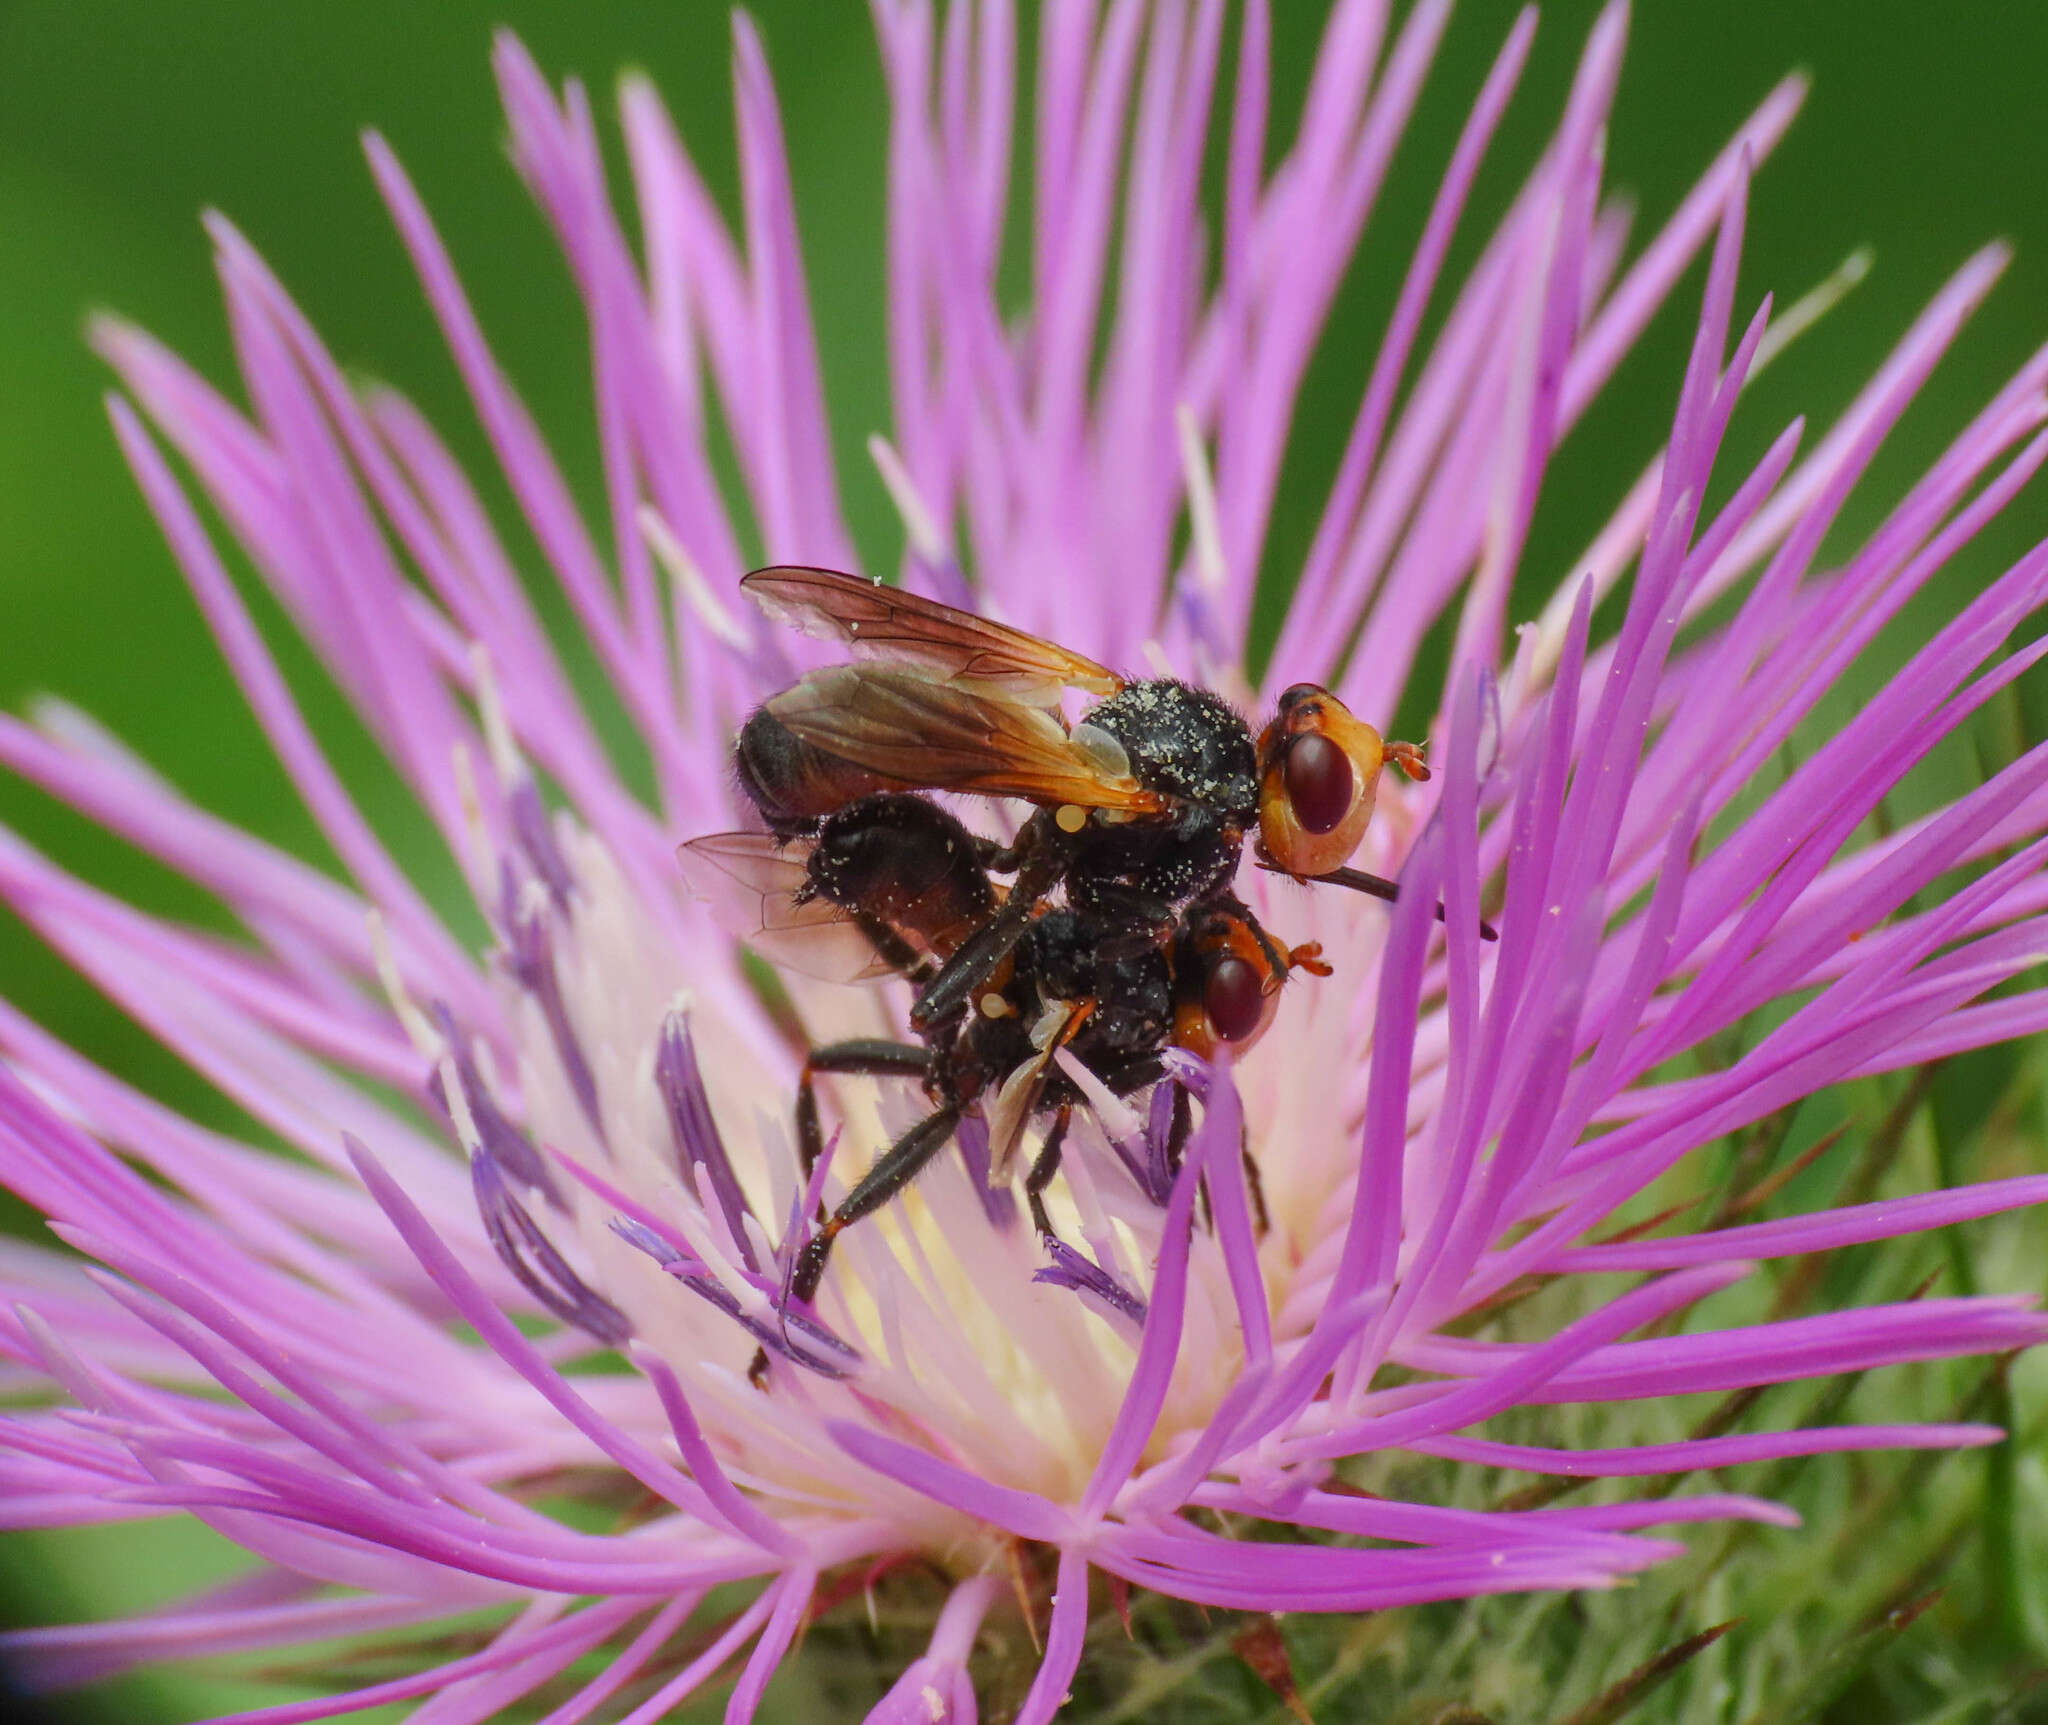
(656, 1199)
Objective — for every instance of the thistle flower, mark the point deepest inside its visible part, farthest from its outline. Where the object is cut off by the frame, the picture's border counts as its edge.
(576, 1143)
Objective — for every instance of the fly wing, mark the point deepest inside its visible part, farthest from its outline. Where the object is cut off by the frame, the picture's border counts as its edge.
(750, 882)
(1018, 1097)
(928, 735)
(880, 622)
(1010, 1113)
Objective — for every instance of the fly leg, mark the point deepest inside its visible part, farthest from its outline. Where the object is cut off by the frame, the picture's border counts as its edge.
(1150, 1069)
(873, 1056)
(1177, 1135)
(897, 1166)
(1262, 1221)
(1036, 834)
(1038, 871)
(1178, 1130)
(1124, 1080)
(1045, 1167)
(1134, 921)
(892, 949)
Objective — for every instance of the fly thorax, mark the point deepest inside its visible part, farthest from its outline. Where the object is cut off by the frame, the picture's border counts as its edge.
(1187, 742)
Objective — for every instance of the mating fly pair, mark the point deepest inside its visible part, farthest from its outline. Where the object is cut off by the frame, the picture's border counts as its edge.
(1107, 928)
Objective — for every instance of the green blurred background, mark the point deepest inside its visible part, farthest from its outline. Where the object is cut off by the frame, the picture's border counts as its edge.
(121, 119)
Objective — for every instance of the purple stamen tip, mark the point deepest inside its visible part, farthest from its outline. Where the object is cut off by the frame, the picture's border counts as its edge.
(529, 1254)
(1072, 1269)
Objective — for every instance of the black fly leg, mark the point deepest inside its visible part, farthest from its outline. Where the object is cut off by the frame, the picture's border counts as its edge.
(1036, 834)
(1177, 1135)
(869, 1055)
(1178, 1130)
(1124, 1080)
(978, 957)
(973, 964)
(1262, 1223)
(890, 947)
(1045, 1167)
(897, 1166)
(872, 1056)
(1134, 921)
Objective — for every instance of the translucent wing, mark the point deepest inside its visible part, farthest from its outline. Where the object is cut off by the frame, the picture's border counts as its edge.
(887, 623)
(1018, 1097)
(1010, 1112)
(750, 883)
(930, 735)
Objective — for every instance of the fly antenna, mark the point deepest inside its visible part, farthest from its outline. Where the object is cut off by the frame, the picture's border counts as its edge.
(1372, 885)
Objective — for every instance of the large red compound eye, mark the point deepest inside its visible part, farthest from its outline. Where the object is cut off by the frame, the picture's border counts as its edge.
(1319, 782)
(1234, 997)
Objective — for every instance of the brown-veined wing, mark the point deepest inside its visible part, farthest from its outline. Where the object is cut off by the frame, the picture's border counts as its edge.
(880, 622)
(945, 736)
